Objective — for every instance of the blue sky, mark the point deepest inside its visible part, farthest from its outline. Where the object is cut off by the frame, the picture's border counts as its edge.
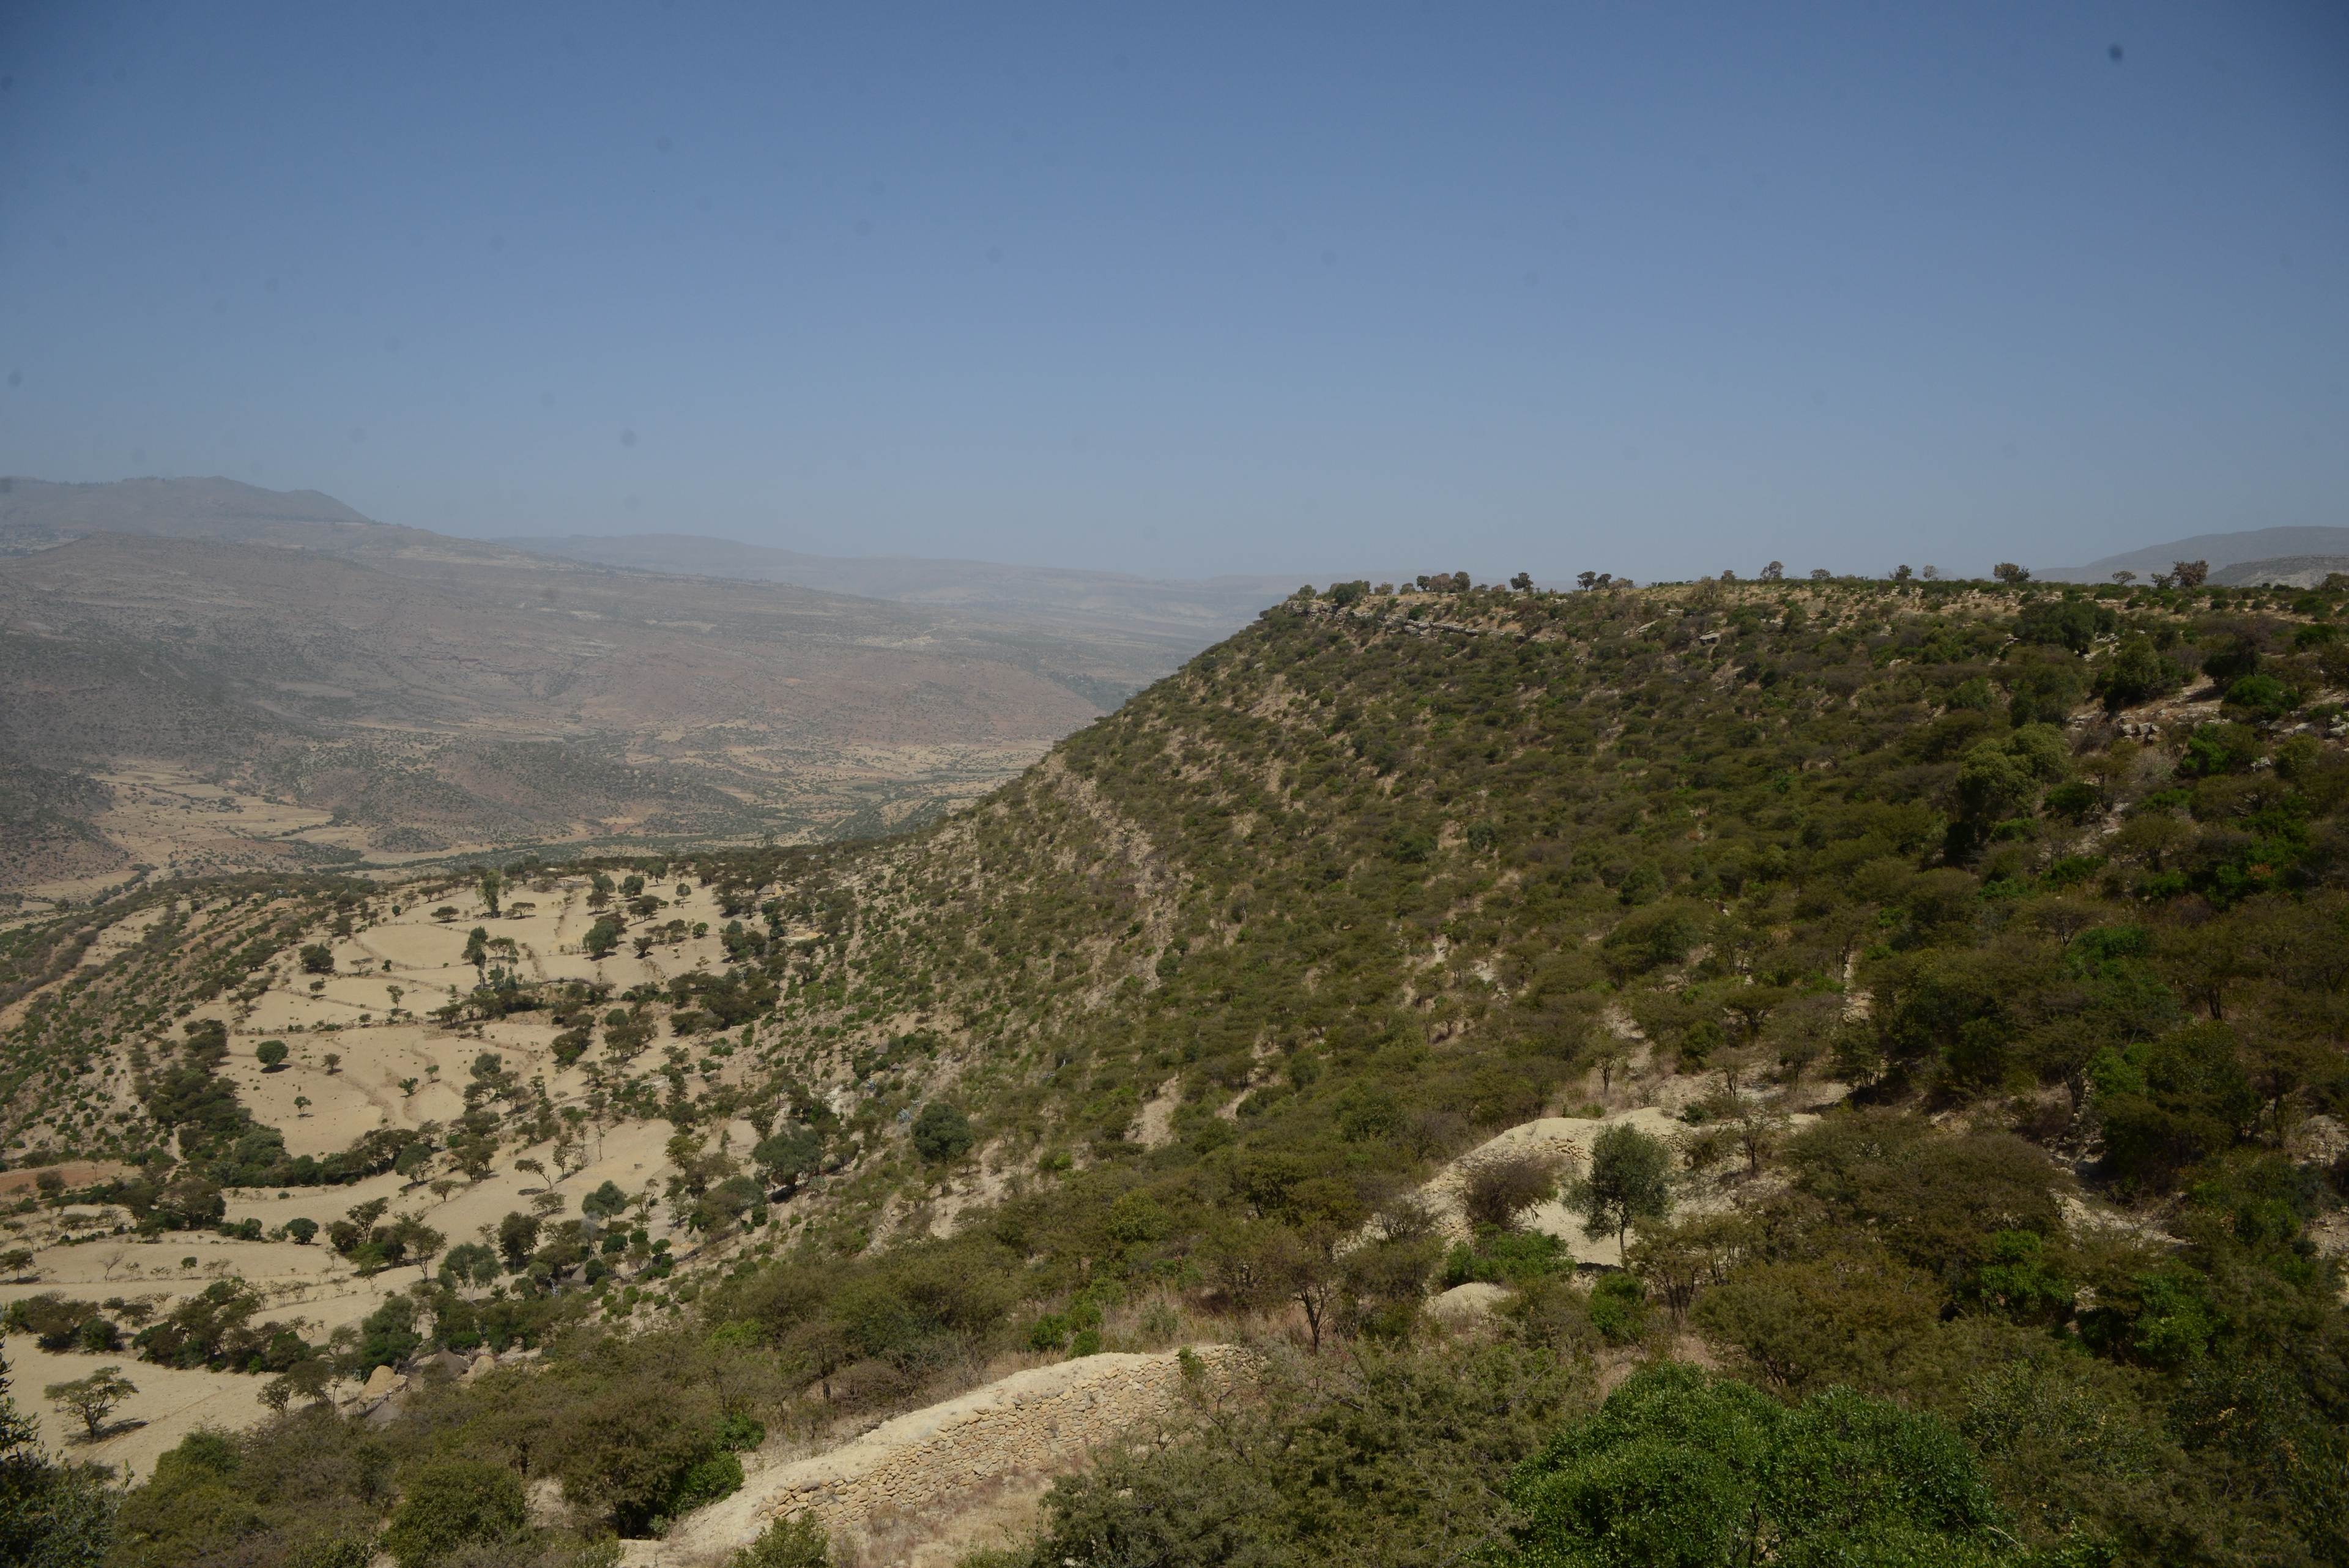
(1650, 289)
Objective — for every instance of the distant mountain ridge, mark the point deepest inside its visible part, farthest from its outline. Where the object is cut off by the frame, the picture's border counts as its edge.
(2221, 550)
(2284, 571)
(1217, 605)
(39, 512)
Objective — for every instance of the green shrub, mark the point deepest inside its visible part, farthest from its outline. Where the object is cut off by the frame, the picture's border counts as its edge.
(454, 1502)
(1619, 1307)
(1676, 1468)
(795, 1542)
(705, 1481)
(941, 1133)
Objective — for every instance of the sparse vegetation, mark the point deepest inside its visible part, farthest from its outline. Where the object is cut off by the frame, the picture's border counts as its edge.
(1193, 1010)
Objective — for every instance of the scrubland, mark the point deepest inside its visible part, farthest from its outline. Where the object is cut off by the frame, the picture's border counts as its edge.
(1797, 1072)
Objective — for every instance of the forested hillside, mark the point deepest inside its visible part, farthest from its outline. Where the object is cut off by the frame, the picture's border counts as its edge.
(2038, 895)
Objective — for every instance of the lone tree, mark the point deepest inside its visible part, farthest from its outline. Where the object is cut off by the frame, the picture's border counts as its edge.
(517, 1236)
(1630, 1183)
(2191, 574)
(603, 936)
(93, 1399)
(605, 1202)
(271, 1054)
(941, 1132)
(318, 959)
(492, 885)
(790, 1157)
(2008, 572)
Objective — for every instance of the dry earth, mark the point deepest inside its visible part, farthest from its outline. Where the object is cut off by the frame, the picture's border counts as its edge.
(956, 1477)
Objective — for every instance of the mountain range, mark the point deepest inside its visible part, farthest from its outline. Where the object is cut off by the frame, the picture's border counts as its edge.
(2283, 555)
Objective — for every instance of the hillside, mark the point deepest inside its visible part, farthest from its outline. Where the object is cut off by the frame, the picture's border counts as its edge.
(1979, 949)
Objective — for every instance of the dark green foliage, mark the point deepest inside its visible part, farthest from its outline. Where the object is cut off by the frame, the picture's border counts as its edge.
(1676, 1468)
(2171, 1102)
(305, 1487)
(941, 1132)
(2136, 672)
(2044, 690)
(1618, 1308)
(2261, 697)
(605, 1202)
(517, 1238)
(1652, 938)
(388, 1335)
(452, 1502)
(2068, 623)
(605, 935)
(214, 1328)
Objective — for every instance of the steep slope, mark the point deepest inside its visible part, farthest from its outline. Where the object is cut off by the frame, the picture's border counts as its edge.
(1167, 1035)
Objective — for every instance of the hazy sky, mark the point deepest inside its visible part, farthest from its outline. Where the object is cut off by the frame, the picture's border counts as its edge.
(1655, 289)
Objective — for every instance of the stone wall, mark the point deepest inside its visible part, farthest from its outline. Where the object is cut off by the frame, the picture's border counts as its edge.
(1040, 1422)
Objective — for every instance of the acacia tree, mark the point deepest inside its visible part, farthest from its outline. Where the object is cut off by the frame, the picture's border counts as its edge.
(92, 1399)
(1630, 1182)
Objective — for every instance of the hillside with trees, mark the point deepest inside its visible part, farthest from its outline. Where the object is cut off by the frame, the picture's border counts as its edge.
(1950, 981)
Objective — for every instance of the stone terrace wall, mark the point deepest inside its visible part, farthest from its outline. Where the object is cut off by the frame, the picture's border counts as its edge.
(1042, 1421)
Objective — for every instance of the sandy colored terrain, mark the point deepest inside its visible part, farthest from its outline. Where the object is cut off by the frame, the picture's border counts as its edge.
(1560, 1137)
(169, 1404)
(349, 1016)
(311, 1286)
(933, 1485)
